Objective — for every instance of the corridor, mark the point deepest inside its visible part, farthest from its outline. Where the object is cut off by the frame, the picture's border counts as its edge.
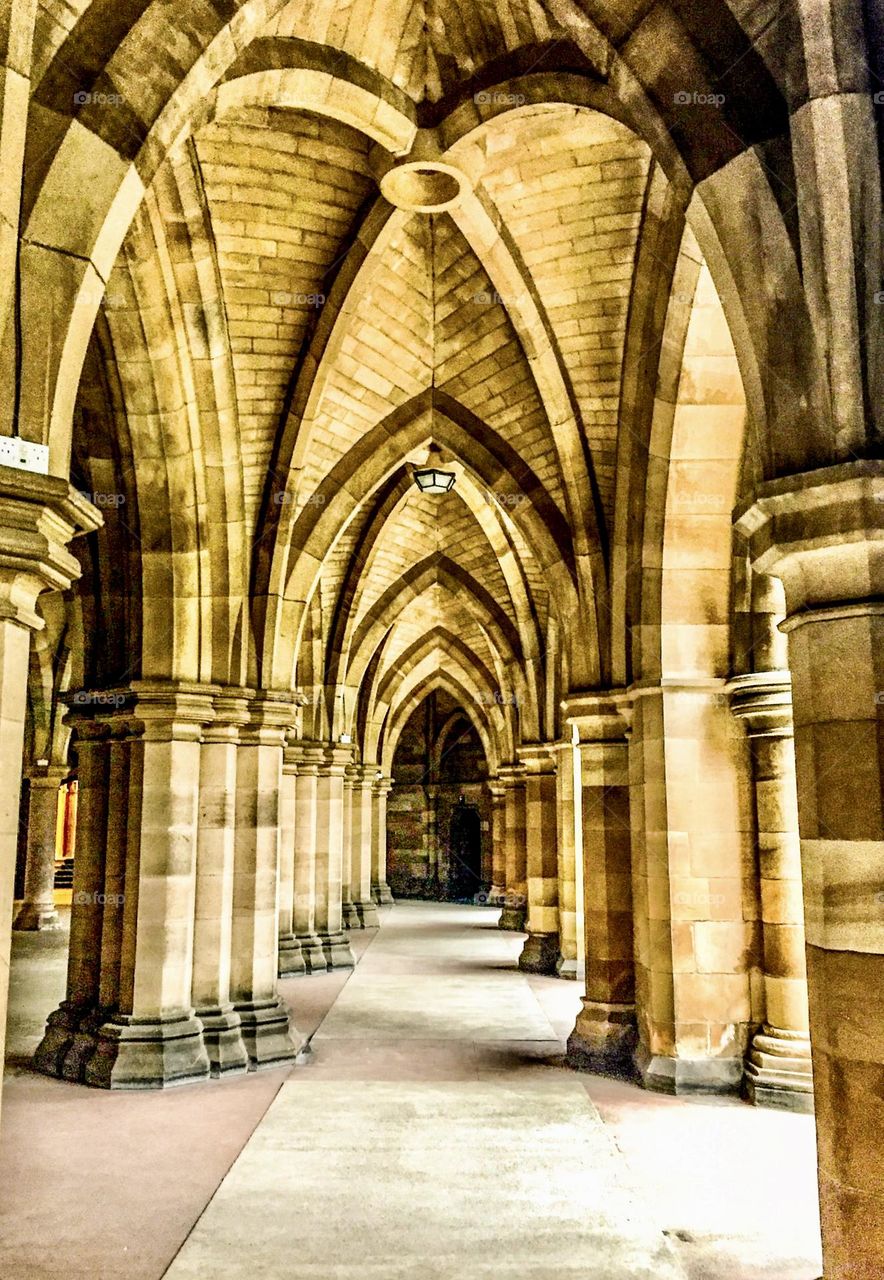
(431, 1132)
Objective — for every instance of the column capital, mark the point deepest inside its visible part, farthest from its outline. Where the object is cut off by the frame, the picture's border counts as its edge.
(157, 710)
(511, 774)
(230, 706)
(383, 785)
(39, 516)
(537, 757)
(763, 701)
(599, 715)
(335, 760)
(821, 533)
(302, 756)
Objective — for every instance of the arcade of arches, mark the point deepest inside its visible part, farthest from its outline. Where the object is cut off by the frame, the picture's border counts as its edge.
(616, 271)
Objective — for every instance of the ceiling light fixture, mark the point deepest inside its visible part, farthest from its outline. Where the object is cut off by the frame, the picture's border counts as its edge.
(432, 478)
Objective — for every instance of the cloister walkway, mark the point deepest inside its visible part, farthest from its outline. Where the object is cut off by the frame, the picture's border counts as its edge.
(434, 1131)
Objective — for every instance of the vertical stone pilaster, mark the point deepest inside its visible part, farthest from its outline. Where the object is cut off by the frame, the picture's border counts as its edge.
(213, 918)
(268, 1036)
(349, 914)
(778, 1067)
(307, 756)
(541, 950)
(38, 911)
(515, 908)
(497, 893)
(604, 1035)
(380, 890)
(362, 846)
(568, 811)
(694, 900)
(291, 957)
(329, 857)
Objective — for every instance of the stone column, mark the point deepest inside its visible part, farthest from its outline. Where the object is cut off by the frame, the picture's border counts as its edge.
(778, 1068)
(362, 847)
(821, 533)
(541, 949)
(380, 890)
(604, 1036)
(330, 856)
(69, 1039)
(308, 757)
(213, 913)
(497, 893)
(515, 907)
(567, 813)
(266, 1030)
(291, 958)
(151, 1037)
(38, 908)
(349, 914)
(39, 515)
(691, 819)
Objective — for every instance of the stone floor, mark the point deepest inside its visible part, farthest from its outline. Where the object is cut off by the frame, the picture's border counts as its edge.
(433, 1132)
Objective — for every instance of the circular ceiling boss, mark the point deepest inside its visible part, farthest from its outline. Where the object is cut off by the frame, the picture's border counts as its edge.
(424, 186)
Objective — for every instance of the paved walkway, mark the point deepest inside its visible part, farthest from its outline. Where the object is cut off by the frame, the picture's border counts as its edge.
(434, 1133)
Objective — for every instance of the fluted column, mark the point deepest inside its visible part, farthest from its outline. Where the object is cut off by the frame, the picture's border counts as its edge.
(362, 847)
(329, 857)
(266, 1031)
(380, 890)
(291, 957)
(39, 515)
(38, 911)
(604, 1036)
(515, 907)
(307, 757)
(568, 808)
(541, 949)
(778, 1066)
(213, 912)
(349, 914)
(821, 533)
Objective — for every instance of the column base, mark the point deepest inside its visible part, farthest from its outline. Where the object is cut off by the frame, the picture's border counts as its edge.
(603, 1040)
(350, 916)
(540, 953)
(267, 1033)
(566, 968)
(368, 915)
(337, 951)
(660, 1073)
(291, 957)
(312, 953)
(513, 916)
(147, 1053)
(382, 894)
(778, 1071)
(35, 917)
(222, 1036)
(63, 1027)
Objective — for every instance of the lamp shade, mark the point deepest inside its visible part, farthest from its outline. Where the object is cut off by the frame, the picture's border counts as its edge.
(433, 480)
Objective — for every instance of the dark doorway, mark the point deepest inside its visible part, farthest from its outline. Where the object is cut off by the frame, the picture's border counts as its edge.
(465, 851)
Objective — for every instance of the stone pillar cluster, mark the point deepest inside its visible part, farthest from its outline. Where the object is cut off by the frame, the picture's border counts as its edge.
(541, 950)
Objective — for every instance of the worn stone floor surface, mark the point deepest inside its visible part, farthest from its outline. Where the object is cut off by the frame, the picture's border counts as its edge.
(433, 1132)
